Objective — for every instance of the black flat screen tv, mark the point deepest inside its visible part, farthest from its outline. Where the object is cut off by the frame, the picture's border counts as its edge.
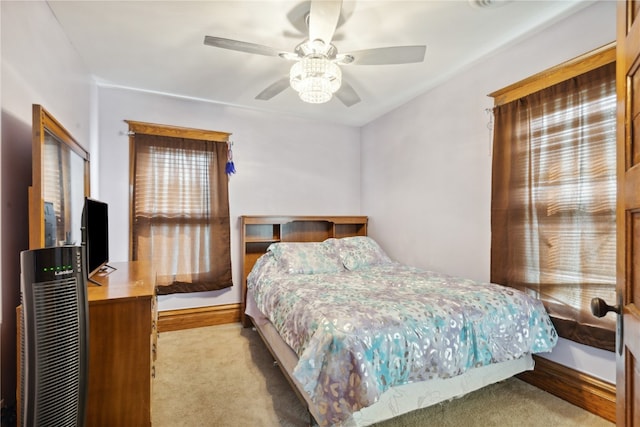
(95, 235)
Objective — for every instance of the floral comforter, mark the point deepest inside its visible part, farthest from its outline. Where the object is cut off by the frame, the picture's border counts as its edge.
(357, 333)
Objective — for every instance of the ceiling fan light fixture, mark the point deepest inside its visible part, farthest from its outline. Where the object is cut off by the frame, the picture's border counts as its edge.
(315, 78)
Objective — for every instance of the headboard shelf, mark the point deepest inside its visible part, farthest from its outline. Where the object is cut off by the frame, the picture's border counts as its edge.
(262, 233)
(258, 232)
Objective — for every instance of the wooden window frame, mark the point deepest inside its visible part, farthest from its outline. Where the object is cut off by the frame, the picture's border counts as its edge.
(582, 64)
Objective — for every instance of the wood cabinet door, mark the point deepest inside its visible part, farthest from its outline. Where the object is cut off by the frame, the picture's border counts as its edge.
(628, 277)
(120, 363)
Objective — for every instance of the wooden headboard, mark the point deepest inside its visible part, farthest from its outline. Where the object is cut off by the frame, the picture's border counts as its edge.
(258, 232)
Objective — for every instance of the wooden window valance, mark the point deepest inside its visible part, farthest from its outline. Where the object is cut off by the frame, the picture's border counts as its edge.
(567, 70)
(177, 131)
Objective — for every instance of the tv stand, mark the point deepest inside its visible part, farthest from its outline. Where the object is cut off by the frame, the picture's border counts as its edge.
(107, 266)
(95, 282)
(102, 273)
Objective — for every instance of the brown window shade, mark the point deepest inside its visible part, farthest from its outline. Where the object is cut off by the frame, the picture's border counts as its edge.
(180, 218)
(554, 200)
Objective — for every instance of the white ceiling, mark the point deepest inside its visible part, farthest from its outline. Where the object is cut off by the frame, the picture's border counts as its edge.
(158, 46)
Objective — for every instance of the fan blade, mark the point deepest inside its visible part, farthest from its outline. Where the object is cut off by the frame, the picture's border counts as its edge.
(385, 55)
(347, 94)
(323, 19)
(274, 89)
(240, 46)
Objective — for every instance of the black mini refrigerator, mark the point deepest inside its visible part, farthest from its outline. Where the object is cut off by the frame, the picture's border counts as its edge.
(55, 337)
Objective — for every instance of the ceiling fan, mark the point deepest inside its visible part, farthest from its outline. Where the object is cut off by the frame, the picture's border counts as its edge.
(316, 73)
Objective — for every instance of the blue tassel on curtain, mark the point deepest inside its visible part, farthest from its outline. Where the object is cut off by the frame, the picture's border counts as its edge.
(230, 168)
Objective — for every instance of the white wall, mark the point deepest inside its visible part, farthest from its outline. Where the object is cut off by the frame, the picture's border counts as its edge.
(38, 67)
(426, 167)
(285, 166)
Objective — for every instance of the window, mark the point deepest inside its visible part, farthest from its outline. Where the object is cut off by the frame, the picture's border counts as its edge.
(554, 200)
(180, 211)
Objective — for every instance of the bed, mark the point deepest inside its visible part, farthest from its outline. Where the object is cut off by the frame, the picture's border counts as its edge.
(362, 338)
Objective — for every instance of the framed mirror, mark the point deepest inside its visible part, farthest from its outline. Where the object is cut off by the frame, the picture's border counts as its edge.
(60, 182)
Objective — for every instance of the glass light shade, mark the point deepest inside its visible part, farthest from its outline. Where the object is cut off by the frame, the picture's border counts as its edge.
(315, 78)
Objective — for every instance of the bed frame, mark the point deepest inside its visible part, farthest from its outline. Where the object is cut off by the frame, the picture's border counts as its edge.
(258, 232)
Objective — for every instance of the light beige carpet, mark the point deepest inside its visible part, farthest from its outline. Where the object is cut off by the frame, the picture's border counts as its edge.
(223, 376)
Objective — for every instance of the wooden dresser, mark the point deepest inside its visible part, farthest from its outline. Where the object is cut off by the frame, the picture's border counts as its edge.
(122, 346)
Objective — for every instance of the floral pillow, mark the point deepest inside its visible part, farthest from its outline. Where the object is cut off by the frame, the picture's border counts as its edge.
(361, 252)
(307, 257)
